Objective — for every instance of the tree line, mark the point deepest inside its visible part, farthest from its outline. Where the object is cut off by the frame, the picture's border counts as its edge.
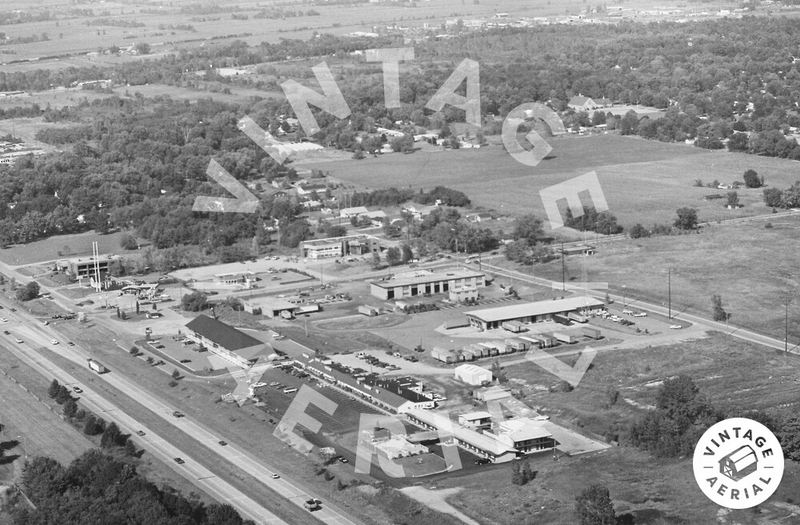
(97, 488)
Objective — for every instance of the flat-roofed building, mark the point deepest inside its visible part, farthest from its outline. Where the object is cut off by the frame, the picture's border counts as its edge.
(273, 307)
(246, 279)
(480, 420)
(472, 374)
(490, 318)
(412, 284)
(333, 247)
(481, 444)
(82, 267)
(525, 435)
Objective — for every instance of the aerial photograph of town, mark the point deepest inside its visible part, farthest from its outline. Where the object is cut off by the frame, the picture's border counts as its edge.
(399, 262)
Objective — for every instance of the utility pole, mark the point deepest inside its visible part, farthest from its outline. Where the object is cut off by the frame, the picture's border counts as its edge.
(786, 327)
(563, 269)
(669, 291)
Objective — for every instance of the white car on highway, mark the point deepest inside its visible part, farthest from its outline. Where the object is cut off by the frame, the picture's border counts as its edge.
(53, 342)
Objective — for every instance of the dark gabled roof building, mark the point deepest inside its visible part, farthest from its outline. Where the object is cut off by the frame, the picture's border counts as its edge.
(222, 339)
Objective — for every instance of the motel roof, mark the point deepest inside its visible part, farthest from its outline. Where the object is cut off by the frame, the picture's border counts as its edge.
(476, 439)
(224, 335)
(523, 429)
(424, 277)
(473, 416)
(517, 311)
(379, 393)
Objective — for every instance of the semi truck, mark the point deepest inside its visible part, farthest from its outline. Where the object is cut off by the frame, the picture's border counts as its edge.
(513, 326)
(592, 333)
(540, 340)
(578, 318)
(96, 366)
(562, 319)
(565, 338)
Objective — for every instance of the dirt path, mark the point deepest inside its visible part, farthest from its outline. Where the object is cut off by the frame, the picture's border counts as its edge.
(435, 499)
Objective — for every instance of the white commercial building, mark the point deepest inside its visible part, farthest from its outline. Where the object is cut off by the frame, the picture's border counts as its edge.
(473, 375)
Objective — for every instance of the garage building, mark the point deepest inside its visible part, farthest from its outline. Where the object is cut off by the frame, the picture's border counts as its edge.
(491, 318)
(473, 375)
(411, 284)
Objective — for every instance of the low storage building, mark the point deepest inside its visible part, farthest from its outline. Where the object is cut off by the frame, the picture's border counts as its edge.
(491, 318)
(472, 375)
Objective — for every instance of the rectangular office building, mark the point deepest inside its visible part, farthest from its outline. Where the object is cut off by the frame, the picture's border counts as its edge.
(422, 282)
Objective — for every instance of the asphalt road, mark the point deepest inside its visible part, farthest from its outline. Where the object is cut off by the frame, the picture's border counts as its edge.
(34, 334)
(156, 445)
(37, 334)
(734, 331)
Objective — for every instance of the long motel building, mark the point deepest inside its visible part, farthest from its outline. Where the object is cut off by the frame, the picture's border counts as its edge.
(510, 439)
(395, 395)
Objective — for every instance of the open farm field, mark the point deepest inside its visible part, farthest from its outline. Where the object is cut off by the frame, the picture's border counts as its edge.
(236, 95)
(165, 27)
(59, 247)
(643, 181)
(750, 266)
(734, 375)
(55, 98)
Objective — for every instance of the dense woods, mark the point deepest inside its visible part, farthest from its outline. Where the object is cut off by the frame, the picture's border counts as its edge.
(96, 488)
(137, 163)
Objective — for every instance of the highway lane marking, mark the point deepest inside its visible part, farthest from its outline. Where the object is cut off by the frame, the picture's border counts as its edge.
(102, 405)
(250, 464)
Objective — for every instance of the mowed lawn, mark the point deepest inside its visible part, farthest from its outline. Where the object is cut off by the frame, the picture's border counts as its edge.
(61, 247)
(750, 266)
(643, 181)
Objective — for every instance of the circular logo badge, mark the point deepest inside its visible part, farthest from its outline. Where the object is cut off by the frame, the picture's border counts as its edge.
(738, 463)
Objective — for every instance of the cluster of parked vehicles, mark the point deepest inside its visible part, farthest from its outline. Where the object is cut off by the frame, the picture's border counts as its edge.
(374, 361)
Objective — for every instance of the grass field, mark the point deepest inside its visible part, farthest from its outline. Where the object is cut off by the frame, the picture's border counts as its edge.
(734, 375)
(654, 491)
(72, 35)
(38, 430)
(750, 266)
(643, 181)
(74, 245)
